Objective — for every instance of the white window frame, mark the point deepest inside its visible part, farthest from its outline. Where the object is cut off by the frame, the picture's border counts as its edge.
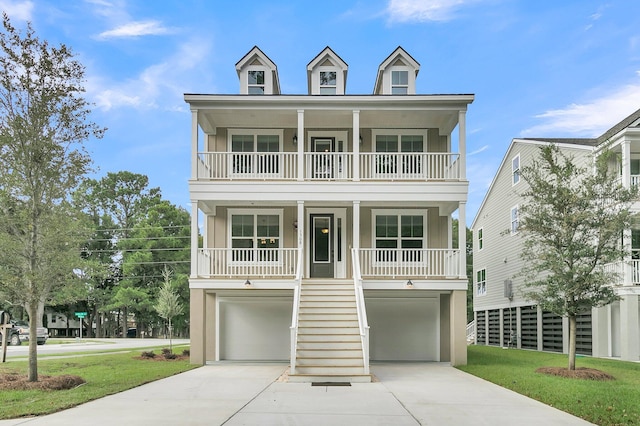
(393, 86)
(255, 133)
(398, 168)
(515, 171)
(481, 285)
(323, 86)
(514, 221)
(254, 213)
(480, 235)
(265, 85)
(399, 213)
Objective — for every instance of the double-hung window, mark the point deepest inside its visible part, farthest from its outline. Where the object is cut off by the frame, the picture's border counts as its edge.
(480, 239)
(515, 220)
(399, 155)
(399, 82)
(481, 282)
(255, 153)
(399, 236)
(515, 169)
(255, 236)
(255, 82)
(328, 82)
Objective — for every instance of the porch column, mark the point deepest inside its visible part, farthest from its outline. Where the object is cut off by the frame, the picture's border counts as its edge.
(458, 334)
(462, 238)
(194, 144)
(301, 144)
(301, 230)
(194, 238)
(356, 225)
(625, 146)
(462, 143)
(629, 327)
(356, 145)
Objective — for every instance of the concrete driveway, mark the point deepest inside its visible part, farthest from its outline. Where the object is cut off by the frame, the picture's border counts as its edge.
(250, 394)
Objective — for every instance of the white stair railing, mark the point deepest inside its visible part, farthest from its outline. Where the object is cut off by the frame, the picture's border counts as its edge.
(294, 314)
(361, 309)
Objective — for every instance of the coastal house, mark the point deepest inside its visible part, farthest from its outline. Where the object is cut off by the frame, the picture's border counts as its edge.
(326, 221)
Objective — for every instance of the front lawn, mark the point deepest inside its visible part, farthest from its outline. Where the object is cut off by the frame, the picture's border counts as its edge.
(105, 374)
(615, 402)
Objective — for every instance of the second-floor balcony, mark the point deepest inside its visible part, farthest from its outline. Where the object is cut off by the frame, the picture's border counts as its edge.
(423, 166)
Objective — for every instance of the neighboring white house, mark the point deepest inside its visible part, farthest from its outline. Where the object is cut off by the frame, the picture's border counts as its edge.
(503, 316)
(327, 221)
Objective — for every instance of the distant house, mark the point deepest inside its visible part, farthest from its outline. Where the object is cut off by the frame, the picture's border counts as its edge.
(503, 316)
(327, 221)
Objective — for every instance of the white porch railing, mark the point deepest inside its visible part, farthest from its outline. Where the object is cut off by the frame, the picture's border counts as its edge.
(619, 268)
(409, 166)
(635, 180)
(247, 165)
(471, 332)
(426, 263)
(361, 309)
(294, 314)
(225, 262)
(328, 165)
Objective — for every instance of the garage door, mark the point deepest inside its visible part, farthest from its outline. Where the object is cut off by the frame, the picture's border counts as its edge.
(404, 329)
(255, 329)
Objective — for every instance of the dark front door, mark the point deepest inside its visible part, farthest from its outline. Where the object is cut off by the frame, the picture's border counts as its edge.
(321, 242)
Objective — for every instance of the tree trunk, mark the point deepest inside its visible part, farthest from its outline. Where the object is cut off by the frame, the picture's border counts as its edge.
(124, 322)
(572, 342)
(32, 309)
(39, 315)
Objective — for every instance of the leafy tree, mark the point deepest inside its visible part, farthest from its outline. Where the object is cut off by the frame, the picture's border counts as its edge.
(168, 304)
(469, 264)
(571, 225)
(43, 124)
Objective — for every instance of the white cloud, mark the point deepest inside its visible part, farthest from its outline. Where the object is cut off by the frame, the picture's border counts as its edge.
(479, 150)
(137, 29)
(424, 10)
(588, 119)
(17, 10)
(159, 84)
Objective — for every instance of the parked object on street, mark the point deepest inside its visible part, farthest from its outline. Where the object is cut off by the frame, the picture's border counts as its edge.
(24, 334)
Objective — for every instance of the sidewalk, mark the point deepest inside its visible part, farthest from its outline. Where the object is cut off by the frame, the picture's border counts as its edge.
(248, 394)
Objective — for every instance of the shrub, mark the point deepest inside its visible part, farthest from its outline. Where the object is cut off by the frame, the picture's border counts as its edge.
(170, 355)
(186, 352)
(147, 354)
(166, 351)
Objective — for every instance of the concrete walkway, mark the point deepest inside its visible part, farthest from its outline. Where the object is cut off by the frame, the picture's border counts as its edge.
(249, 394)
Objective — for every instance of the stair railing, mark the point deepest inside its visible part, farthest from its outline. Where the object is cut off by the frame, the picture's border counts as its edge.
(361, 308)
(294, 314)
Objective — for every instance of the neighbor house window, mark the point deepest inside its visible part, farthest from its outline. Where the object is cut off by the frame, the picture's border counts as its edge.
(480, 239)
(255, 82)
(397, 232)
(328, 82)
(255, 152)
(255, 236)
(515, 221)
(399, 82)
(481, 282)
(515, 169)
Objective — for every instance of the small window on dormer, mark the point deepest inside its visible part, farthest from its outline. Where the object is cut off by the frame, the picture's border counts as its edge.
(256, 82)
(328, 82)
(399, 82)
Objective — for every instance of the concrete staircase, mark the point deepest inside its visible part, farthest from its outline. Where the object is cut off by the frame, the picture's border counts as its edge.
(329, 348)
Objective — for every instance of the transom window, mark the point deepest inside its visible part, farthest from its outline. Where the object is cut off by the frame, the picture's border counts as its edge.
(328, 82)
(255, 82)
(399, 233)
(255, 236)
(399, 82)
(481, 282)
(515, 169)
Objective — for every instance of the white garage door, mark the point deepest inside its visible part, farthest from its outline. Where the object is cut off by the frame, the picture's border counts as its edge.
(255, 330)
(403, 329)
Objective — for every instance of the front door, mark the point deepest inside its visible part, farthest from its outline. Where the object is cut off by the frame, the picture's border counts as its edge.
(321, 241)
(323, 158)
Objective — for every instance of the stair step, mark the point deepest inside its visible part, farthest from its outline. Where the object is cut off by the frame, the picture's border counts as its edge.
(330, 331)
(328, 322)
(328, 310)
(329, 362)
(328, 345)
(329, 378)
(330, 370)
(310, 316)
(332, 353)
(327, 304)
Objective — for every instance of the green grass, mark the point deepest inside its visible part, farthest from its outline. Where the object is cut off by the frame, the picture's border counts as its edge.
(615, 402)
(105, 374)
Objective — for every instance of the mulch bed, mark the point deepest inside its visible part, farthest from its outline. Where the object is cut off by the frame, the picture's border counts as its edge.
(579, 373)
(14, 381)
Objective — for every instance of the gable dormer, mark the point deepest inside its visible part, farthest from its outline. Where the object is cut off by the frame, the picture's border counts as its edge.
(258, 74)
(397, 74)
(327, 74)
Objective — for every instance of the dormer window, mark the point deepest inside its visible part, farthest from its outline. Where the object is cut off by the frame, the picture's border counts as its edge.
(399, 82)
(255, 81)
(328, 82)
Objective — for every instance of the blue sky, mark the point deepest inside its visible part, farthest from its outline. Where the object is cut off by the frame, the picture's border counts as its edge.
(565, 68)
